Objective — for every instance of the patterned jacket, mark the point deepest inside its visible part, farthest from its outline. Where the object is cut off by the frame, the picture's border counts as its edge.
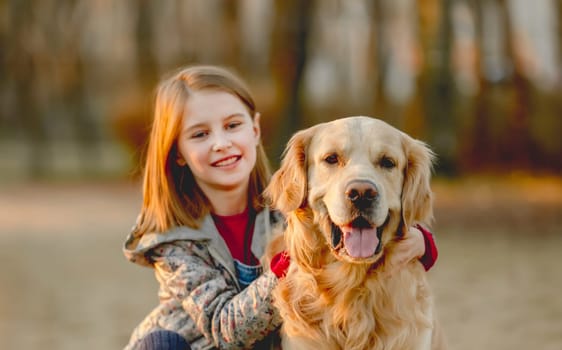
(200, 297)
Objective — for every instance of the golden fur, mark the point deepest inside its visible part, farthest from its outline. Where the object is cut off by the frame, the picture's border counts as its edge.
(353, 175)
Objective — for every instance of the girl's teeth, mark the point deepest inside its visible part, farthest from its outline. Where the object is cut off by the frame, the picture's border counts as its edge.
(227, 161)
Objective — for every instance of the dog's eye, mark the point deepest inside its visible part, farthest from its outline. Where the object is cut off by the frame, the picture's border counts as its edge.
(331, 158)
(387, 163)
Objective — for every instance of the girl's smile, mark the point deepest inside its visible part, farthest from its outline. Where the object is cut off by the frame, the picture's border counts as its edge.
(228, 162)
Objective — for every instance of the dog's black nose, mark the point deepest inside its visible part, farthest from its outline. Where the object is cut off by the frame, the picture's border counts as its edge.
(361, 193)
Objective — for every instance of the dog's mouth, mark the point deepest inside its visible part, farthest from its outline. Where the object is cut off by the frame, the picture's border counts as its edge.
(359, 239)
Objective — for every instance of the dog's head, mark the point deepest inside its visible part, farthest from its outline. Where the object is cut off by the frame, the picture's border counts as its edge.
(358, 180)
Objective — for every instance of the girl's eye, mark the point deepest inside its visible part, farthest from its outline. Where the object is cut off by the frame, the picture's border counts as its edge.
(233, 125)
(387, 163)
(331, 159)
(199, 134)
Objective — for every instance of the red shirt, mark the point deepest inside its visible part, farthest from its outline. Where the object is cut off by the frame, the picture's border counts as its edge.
(237, 231)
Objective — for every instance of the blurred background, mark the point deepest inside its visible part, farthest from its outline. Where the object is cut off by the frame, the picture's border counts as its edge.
(479, 80)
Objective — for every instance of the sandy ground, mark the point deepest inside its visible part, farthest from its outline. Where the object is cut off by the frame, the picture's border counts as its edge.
(65, 284)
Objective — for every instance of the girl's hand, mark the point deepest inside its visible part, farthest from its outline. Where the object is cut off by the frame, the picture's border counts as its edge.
(411, 246)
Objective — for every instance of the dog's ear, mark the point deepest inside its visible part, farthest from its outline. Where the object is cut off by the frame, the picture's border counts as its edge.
(287, 189)
(417, 197)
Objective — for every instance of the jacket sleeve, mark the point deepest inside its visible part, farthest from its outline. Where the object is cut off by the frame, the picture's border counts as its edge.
(430, 256)
(207, 292)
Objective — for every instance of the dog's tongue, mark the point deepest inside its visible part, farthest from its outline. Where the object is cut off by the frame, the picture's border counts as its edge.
(360, 242)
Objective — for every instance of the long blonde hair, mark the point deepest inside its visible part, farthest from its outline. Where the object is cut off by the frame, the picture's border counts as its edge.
(171, 197)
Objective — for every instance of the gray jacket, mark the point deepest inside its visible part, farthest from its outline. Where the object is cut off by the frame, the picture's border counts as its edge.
(200, 297)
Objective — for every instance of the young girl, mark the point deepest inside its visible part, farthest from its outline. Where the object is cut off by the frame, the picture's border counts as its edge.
(203, 224)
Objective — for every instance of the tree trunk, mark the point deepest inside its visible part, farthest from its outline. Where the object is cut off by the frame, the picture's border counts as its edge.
(440, 93)
(288, 61)
(517, 145)
(477, 147)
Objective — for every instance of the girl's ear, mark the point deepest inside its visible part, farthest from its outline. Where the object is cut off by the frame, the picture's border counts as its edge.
(288, 188)
(256, 126)
(180, 160)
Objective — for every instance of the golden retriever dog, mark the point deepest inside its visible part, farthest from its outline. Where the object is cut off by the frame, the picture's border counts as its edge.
(349, 189)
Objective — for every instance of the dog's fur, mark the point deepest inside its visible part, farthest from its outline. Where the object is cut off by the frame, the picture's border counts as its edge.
(349, 188)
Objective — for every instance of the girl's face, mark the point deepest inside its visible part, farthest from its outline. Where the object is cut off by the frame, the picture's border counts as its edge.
(218, 141)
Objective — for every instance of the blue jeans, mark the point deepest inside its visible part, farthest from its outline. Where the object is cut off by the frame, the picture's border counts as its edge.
(246, 274)
(164, 340)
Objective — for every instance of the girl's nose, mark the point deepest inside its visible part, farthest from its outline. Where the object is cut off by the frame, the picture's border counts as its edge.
(221, 143)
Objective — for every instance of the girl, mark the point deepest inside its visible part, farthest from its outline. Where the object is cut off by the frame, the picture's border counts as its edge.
(203, 224)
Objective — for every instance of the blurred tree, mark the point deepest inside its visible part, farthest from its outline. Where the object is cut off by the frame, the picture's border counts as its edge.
(132, 116)
(146, 57)
(381, 58)
(21, 74)
(477, 146)
(558, 5)
(439, 93)
(74, 94)
(288, 58)
(516, 145)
